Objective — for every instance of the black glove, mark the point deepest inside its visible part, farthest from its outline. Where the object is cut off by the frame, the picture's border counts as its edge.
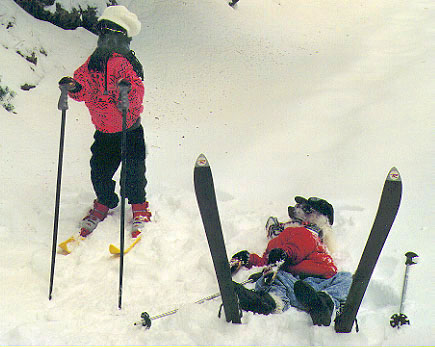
(276, 255)
(242, 257)
(71, 84)
(238, 260)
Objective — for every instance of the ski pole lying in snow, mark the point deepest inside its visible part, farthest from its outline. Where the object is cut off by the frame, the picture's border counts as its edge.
(63, 106)
(399, 319)
(146, 319)
(124, 89)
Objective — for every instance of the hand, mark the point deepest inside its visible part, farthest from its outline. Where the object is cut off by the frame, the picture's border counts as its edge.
(242, 257)
(235, 266)
(238, 260)
(276, 255)
(273, 227)
(70, 83)
(269, 274)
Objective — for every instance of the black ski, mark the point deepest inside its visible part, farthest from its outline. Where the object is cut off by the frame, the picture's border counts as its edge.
(387, 210)
(206, 197)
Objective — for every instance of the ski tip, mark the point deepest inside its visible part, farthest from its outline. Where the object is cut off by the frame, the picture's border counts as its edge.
(114, 250)
(394, 175)
(202, 161)
(65, 245)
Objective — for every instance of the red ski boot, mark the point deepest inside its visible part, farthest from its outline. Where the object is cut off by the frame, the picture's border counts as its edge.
(141, 216)
(95, 216)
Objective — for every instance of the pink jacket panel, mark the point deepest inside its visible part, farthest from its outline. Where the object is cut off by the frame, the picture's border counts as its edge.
(103, 108)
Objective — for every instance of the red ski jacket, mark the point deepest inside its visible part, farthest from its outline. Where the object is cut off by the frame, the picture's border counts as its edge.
(103, 108)
(307, 254)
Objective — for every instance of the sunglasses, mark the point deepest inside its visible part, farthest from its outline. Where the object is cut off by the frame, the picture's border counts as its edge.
(306, 208)
(105, 29)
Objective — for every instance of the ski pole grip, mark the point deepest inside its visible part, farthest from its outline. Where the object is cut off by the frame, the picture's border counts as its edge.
(409, 258)
(63, 99)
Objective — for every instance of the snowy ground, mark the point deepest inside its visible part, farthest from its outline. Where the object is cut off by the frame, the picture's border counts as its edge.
(285, 98)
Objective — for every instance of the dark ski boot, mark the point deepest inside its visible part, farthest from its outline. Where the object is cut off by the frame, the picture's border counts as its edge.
(318, 304)
(257, 302)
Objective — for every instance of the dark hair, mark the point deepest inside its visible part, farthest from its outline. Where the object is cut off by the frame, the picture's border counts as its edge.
(113, 39)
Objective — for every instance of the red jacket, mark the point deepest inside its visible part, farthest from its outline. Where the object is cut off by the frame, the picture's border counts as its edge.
(307, 254)
(103, 108)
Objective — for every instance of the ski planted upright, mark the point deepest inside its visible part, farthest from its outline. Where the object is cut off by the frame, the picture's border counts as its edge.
(387, 210)
(206, 197)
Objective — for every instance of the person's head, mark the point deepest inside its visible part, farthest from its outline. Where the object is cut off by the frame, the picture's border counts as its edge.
(113, 37)
(312, 210)
(116, 26)
(313, 213)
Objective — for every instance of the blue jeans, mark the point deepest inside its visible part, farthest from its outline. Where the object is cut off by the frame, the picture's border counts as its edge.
(282, 287)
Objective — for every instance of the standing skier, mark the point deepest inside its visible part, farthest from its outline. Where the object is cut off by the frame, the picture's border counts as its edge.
(298, 271)
(96, 83)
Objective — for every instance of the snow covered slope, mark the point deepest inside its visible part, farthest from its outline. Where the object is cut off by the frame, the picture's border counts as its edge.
(285, 98)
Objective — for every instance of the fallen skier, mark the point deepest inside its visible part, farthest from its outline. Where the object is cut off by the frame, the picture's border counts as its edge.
(298, 270)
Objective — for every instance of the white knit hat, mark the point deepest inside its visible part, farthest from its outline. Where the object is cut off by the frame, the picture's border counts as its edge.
(123, 17)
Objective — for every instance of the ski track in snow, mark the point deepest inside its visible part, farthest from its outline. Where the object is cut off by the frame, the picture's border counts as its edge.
(284, 98)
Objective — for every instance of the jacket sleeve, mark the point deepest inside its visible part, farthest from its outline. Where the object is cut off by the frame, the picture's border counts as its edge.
(82, 76)
(306, 255)
(298, 243)
(256, 260)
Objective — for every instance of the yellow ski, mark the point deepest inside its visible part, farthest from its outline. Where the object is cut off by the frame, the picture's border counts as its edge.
(68, 245)
(116, 251)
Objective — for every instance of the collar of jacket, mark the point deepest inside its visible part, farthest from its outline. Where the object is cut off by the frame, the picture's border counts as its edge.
(314, 228)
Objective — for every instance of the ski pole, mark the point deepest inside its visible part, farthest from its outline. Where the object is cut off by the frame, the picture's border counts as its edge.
(399, 319)
(124, 88)
(146, 319)
(63, 106)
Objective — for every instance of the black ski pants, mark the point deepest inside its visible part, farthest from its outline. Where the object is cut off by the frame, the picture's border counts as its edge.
(106, 159)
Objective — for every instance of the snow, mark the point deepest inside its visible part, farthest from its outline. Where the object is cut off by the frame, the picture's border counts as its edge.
(70, 5)
(285, 98)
